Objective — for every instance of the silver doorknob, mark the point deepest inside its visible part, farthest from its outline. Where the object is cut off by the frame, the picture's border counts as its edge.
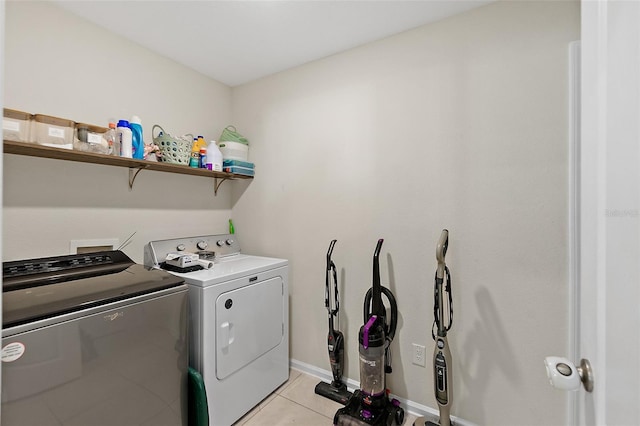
(563, 374)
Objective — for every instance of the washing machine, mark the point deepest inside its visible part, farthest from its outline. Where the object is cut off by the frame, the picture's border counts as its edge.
(93, 339)
(239, 329)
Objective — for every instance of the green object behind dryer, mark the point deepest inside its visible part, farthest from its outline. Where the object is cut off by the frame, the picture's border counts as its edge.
(198, 408)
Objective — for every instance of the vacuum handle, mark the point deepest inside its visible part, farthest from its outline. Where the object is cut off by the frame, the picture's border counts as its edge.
(373, 298)
(331, 245)
(378, 307)
(441, 252)
(331, 271)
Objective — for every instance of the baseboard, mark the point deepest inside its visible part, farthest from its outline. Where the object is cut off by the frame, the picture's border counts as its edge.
(411, 407)
(324, 375)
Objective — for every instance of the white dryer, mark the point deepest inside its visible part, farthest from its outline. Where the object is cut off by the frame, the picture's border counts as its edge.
(239, 333)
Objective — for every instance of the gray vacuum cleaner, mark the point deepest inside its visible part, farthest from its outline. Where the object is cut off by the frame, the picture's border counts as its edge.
(337, 389)
(442, 321)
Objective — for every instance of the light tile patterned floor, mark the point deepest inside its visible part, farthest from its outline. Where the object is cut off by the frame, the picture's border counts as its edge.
(295, 403)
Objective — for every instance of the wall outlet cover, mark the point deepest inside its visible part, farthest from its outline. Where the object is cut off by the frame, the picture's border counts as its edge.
(419, 355)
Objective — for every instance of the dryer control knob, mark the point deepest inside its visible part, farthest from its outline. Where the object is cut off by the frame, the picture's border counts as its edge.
(229, 242)
(219, 243)
(202, 245)
(181, 247)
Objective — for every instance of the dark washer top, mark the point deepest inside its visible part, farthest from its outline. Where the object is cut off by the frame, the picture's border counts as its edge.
(35, 289)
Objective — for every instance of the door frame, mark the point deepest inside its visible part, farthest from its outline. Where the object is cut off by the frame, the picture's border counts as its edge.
(2, 31)
(574, 214)
(590, 331)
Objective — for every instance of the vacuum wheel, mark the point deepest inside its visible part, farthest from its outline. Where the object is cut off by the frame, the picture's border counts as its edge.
(399, 416)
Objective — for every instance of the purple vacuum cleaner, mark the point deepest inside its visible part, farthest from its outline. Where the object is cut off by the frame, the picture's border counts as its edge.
(370, 405)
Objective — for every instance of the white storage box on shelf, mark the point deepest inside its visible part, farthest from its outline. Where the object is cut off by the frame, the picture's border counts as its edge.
(16, 125)
(52, 131)
(90, 138)
(234, 150)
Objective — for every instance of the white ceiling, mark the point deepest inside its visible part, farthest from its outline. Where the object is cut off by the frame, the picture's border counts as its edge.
(237, 41)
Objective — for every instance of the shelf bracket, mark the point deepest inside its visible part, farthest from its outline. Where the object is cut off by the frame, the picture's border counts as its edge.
(133, 175)
(217, 185)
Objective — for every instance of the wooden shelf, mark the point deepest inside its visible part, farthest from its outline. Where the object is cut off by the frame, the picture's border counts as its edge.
(134, 166)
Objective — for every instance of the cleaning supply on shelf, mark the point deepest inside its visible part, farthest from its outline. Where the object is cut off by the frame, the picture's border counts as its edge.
(137, 141)
(195, 154)
(198, 143)
(124, 136)
(203, 158)
(214, 157)
(112, 139)
(232, 230)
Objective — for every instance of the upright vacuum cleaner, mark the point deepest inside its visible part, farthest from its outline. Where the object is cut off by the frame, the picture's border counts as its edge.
(337, 390)
(442, 321)
(370, 405)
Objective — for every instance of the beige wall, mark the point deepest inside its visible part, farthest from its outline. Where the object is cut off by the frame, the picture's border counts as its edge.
(61, 65)
(462, 124)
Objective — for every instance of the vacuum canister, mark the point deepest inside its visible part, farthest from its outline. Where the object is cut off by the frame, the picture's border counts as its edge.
(372, 374)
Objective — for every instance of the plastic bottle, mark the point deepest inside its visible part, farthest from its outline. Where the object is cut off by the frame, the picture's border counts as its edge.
(112, 139)
(203, 158)
(137, 142)
(125, 138)
(232, 230)
(195, 154)
(214, 157)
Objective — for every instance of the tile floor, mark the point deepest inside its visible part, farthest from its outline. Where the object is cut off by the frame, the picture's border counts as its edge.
(295, 403)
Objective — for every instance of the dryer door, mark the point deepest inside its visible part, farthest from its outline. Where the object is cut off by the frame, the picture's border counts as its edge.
(249, 323)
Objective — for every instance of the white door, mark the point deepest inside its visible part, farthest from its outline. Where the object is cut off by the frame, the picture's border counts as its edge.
(609, 289)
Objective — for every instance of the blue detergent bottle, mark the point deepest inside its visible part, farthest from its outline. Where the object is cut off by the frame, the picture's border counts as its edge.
(136, 137)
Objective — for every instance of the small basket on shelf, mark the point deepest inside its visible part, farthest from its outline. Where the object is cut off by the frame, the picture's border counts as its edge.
(230, 134)
(174, 150)
(233, 145)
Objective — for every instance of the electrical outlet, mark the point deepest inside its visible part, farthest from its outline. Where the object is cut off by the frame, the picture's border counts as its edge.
(419, 355)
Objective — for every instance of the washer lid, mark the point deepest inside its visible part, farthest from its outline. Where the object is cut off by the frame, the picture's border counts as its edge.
(42, 288)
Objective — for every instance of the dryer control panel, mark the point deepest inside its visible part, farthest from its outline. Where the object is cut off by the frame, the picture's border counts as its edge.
(207, 246)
